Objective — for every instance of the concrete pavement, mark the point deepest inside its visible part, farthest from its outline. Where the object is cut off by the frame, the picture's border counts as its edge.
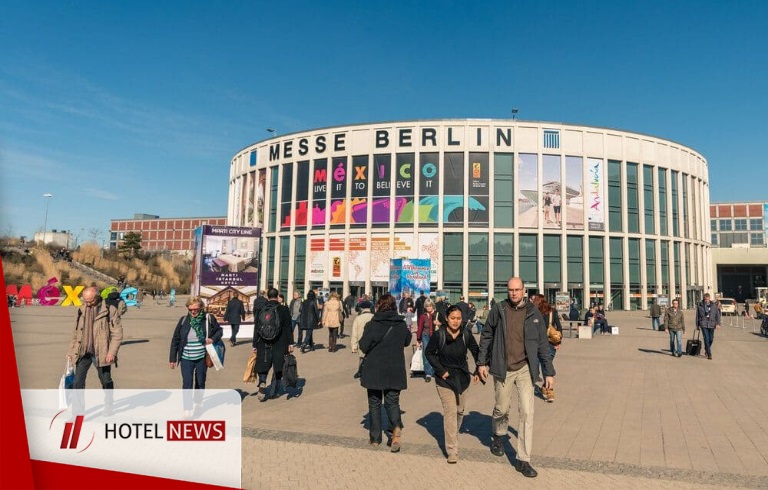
(627, 413)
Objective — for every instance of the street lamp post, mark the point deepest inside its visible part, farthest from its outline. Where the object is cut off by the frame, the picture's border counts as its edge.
(272, 131)
(47, 197)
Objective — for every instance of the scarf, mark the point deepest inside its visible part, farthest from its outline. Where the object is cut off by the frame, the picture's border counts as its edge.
(197, 324)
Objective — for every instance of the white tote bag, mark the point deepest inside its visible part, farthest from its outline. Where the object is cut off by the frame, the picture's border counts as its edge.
(417, 361)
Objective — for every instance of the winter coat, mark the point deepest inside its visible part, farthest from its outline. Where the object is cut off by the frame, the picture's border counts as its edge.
(258, 303)
(331, 313)
(272, 354)
(674, 319)
(310, 313)
(181, 335)
(701, 316)
(493, 348)
(235, 312)
(655, 310)
(358, 327)
(107, 334)
(384, 367)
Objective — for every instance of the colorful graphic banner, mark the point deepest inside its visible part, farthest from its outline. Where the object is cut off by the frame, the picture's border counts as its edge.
(453, 189)
(302, 195)
(429, 188)
(478, 188)
(286, 201)
(359, 192)
(358, 257)
(317, 259)
(404, 188)
(319, 191)
(595, 194)
(382, 183)
(551, 188)
(408, 275)
(380, 256)
(339, 191)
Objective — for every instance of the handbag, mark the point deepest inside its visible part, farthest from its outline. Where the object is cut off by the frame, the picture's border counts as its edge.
(553, 335)
(249, 376)
(361, 369)
(214, 357)
(65, 383)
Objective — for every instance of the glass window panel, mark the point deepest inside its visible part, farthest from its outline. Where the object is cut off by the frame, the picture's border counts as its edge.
(529, 258)
(453, 189)
(614, 195)
(575, 259)
(478, 258)
(663, 226)
(675, 217)
(273, 202)
(503, 258)
(648, 205)
(616, 261)
(596, 266)
(552, 258)
(650, 264)
(634, 262)
(503, 197)
(453, 253)
(300, 260)
(633, 199)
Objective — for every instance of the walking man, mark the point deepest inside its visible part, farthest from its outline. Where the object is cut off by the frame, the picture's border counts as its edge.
(272, 340)
(674, 321)
(419, 305)
(707, 319)
(514, 338)
(405, 308)
(96, 339)
(234, 314)
(295, 308)
(655, 315)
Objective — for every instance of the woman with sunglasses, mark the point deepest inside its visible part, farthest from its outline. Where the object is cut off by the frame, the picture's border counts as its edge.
(192, 332)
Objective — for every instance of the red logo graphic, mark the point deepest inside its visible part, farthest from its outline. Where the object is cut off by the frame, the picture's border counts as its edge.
(71, 434)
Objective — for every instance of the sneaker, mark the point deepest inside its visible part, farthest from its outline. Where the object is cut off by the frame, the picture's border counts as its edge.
(497, 445)
(453, 459)
(397, 433)
(526, 469)
(427, 379)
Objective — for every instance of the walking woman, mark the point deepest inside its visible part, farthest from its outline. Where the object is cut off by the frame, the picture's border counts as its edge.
(310, 316)
(447, 353)
(555, 338)
(383, 374)
(333, 317)
(428, 323)
(193, 331)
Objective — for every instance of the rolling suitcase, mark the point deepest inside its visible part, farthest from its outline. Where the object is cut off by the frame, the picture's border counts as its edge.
(693, 346)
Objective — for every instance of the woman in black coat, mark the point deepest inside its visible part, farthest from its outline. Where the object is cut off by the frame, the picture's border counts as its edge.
(308, 320)
(384, 376)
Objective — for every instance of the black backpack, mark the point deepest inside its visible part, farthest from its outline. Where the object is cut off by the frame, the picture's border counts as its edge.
(269, 323)
(290, 371)
(442, 339)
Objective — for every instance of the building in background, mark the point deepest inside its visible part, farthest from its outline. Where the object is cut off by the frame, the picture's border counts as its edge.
(739, 252)
(58, 238)
(160, 234)
(607, 215)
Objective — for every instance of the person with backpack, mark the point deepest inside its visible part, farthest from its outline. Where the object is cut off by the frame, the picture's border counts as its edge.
(272, 340)
(447, 353)
(308, 320)
(192, 332)
(258, 303)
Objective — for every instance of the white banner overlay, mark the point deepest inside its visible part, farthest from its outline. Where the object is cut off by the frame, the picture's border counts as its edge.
(146, 432)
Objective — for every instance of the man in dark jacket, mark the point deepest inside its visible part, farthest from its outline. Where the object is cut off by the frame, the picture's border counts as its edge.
(464, 309)
(234, 314)
(349, 303)
(271, 354)
(655, 315)
(514, 339)
(419, 305)
(707, 319)
(308, 320)
(259, 303)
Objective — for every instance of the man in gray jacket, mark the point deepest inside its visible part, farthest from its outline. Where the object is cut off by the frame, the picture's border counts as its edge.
(708, 319)
(655, 315)
(674, 320)
(512, 342)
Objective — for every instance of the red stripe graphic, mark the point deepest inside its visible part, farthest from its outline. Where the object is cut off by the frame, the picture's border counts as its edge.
(65, 436)
(76, 433)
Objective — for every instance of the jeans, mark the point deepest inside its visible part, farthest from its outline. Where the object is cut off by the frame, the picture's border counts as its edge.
(307, 337)
(391, 400)
(294, 326)
(333, 335)
(601, 325)
(552, 352)
(709, 339)
(516, 381)
(428, 369)
(235, 328)
(676, 335)
(105, 377)
(193, 375)
(655, 323)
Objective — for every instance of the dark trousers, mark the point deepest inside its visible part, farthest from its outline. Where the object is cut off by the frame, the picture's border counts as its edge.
(235, 329)
(105, 377)
(307, 337)
(333, 335)
(193, 376)
(709, 339)
(391, 400)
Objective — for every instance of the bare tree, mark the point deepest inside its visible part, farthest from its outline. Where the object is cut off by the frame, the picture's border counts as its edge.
(95, 234)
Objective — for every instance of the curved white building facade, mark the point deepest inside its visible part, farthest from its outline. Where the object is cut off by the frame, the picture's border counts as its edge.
(607, 215)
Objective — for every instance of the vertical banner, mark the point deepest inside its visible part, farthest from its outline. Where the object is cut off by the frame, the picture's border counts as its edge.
(317, 258)
(595, 194)
(261, 193)
(765, 220)
(339, 191)
(226, 265)
(302, 195)
(408, 276)
(453, 189)
(336, 245)
(478, 189)
(359, 192)
(382, 182)
(404, 188)
(528, 185)
(319, 190)
(551, 187)
(285, 196)
(358, 268)
(429, 188)
(250, 205)
(380, 256)
(429, 248)
(574, 193)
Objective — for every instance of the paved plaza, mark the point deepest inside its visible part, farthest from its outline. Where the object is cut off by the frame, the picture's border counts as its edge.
(627, 413)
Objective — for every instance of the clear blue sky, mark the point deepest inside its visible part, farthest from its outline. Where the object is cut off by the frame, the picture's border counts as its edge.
(119, 108)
